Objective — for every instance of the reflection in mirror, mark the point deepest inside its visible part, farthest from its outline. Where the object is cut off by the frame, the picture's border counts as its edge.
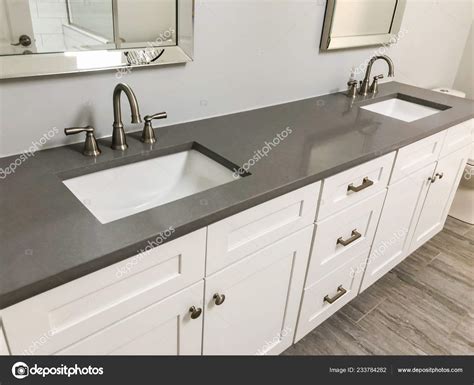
(54, 26)
(92, 16)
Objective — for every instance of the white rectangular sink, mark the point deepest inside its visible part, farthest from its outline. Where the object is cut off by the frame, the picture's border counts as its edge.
(401, 109)
(126, 190)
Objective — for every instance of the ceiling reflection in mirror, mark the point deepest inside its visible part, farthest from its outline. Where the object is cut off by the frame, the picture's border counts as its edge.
(56, 26)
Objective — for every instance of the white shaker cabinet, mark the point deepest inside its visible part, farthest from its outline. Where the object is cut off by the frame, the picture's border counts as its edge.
(440, 196)
(251, 307)
(3, 344)
(399, 217)
(172, 326)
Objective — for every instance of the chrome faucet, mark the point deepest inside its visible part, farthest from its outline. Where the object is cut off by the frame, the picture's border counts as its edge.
(365, 86)
(119, 140)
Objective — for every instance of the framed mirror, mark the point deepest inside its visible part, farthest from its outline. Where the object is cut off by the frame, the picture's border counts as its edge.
(44, 37)
(359, 23)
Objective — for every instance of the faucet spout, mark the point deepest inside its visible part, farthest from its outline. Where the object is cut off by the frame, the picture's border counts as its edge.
(364, 89)
(119, 140)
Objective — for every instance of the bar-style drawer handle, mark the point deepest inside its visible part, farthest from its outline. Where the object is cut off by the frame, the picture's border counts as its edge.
(355, 236)
(340, 292)
(365, 183)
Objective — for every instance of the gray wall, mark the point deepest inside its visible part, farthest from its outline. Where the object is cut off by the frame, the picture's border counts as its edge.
(248, 54)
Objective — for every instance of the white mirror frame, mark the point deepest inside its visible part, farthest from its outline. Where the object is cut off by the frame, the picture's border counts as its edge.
(329, 43)
(19, 66)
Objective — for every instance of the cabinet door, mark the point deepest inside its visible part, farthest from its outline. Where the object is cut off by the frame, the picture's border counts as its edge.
(440, 196)
(164, 328)
(262, 296)
(397, 223)
(3, 344)
(71, 312)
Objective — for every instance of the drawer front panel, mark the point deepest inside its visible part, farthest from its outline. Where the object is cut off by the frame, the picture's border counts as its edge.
(327, 296)
(242, 234)
(343, 236)
(457, 137)
(73, 311)
(164, 328)
(417, 155)
(352, 186)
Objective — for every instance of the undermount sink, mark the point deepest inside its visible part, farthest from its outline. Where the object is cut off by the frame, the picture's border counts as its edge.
(405, 110)
(126, 190)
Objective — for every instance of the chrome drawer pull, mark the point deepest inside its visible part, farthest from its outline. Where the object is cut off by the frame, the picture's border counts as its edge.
(365, 183)
(340, 292)
(355, 236)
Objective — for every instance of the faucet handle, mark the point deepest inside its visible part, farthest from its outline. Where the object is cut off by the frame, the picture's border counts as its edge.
(374, 88)
(91, 148)
(159, 115)
(148, 134)
(352, 91)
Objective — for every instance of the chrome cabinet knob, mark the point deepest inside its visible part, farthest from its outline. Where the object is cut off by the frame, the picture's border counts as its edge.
(91, 148)
(24, 41)
(219, 299)
(195, 312)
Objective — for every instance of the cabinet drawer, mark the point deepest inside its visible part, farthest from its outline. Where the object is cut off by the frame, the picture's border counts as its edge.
(344, 236)
(242, 234)
(457, 137)
(340, 287)
(368, 178)
(3, 344)
(164, 328)
(417, 155)
(71, 312)
(262, 296)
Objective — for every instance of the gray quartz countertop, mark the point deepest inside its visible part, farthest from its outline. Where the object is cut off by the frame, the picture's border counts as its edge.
(47, 237)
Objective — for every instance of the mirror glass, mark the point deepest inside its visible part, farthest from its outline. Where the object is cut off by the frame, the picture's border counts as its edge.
(56, 26)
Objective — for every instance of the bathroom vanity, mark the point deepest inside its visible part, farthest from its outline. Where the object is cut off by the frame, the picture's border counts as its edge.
(250, 266)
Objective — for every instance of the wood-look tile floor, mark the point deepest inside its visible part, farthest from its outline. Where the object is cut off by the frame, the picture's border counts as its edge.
(423, 306)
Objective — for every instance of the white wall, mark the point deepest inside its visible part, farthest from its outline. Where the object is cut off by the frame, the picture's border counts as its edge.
(247, 54)
(437, 33)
